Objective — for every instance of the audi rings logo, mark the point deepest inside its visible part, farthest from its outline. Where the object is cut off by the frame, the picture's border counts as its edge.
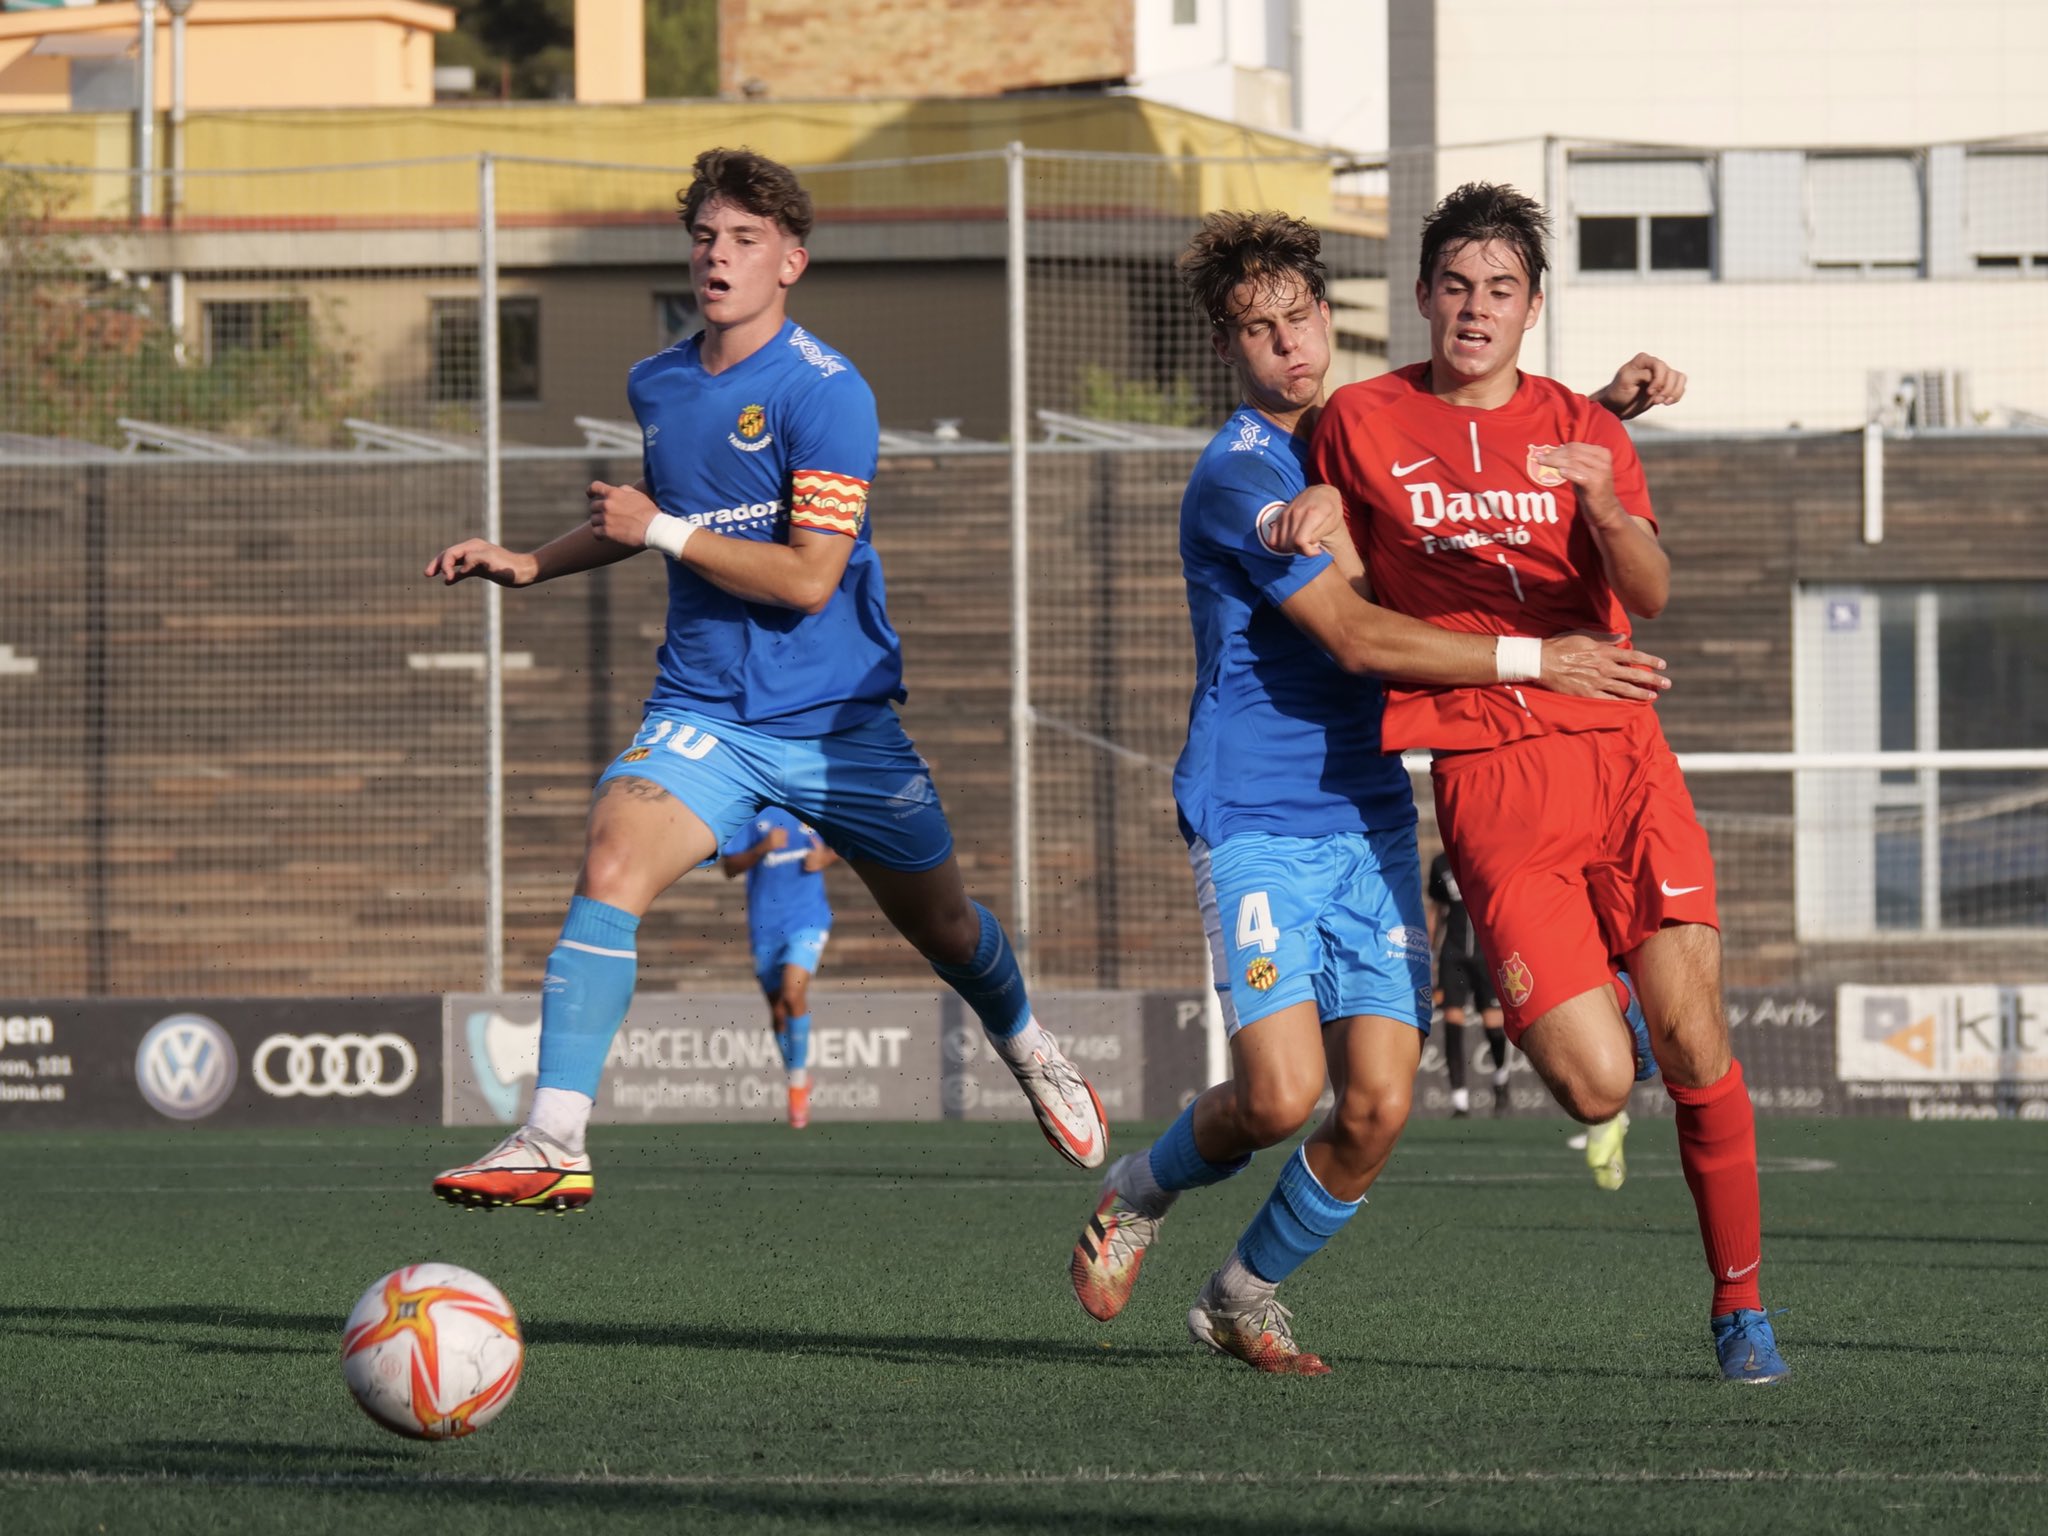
(335, 1066)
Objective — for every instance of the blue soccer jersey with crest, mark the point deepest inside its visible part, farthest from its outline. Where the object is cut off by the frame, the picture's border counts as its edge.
(1281, 739)
(782, 896)
(785, 439)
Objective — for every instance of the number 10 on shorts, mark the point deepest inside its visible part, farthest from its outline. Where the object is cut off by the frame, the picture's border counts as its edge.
(1255, 924)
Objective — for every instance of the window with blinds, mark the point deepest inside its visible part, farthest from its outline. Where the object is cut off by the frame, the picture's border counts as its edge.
(2005, 211)
(1641, 216)
(1864, 214)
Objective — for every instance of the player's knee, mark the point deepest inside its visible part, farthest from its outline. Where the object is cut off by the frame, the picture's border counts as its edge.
(610, 872)
(1592, 1103)
(1370, 1115)
(1271, 1112)
(796, 999)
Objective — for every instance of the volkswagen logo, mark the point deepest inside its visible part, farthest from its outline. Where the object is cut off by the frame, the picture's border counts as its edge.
(334, 1066)
(185, 1066)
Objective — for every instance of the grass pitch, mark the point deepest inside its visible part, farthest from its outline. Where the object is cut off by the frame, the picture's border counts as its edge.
(868, 1328)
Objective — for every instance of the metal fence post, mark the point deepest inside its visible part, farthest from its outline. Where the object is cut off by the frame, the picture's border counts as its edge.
(1020, 569)
(494, 620)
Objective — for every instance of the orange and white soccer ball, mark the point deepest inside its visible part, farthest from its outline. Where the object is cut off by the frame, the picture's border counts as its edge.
(432, 1351)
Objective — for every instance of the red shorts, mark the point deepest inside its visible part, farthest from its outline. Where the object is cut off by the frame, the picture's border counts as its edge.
(1571, 849)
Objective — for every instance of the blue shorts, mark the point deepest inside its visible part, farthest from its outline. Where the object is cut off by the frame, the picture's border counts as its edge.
(772, 951)
(864, 788)
(1334, 920)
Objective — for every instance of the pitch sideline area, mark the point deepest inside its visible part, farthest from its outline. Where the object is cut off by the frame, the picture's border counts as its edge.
(868, 1328)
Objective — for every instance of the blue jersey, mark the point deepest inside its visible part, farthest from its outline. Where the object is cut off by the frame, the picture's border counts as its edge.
(1281, 739)
(786, 439)
(782, 896)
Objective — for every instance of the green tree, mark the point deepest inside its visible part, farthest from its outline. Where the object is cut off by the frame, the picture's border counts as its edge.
(526, 49)
(682, 48)
(82, 348)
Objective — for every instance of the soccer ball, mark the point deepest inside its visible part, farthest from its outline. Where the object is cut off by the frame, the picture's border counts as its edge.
(432, 1351)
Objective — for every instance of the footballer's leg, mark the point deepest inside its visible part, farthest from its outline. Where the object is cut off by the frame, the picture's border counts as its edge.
(642, 836)
(1678, 973)
(793, 1036)
(967, 947)
(871, 796)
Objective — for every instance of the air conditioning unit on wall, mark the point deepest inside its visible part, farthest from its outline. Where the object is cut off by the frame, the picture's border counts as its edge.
(1904, 399)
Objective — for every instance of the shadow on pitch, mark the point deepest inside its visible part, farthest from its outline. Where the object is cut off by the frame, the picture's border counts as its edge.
(900, 1349)
(331, 1473)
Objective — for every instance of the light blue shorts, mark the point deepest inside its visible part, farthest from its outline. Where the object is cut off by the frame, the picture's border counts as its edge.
(864, 788)
(775, 950)
(1336, 920)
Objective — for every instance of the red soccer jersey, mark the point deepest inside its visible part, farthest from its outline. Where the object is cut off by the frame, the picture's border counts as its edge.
(1459, 525)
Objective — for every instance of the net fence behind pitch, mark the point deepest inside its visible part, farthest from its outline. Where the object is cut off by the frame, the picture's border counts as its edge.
(244, 743)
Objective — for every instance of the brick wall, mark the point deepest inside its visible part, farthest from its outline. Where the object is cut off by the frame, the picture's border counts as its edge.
(837, 48)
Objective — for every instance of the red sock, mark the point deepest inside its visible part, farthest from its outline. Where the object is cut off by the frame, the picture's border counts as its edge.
(1717, 1146)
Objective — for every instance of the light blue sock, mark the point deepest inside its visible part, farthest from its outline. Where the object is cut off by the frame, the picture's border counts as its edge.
(584, 999)
(990, 983)
(795, 1044)
(1177, 1163)
(1294, 1223)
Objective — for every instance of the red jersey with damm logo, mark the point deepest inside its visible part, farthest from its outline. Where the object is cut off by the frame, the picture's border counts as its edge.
(1460, 525)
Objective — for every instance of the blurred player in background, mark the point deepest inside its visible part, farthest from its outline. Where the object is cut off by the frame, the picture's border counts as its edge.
(1463, 988)
(1507, 506)
(775, 680)
(789, 921)
(1300, 832)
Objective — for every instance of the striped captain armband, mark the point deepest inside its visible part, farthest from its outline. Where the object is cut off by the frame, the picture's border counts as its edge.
(827, 502)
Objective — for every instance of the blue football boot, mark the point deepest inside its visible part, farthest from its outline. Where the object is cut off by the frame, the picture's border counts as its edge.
(1747, 1349)
(1639, 1027)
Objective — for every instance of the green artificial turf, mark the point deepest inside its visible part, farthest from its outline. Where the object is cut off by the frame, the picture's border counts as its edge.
(869, 1328)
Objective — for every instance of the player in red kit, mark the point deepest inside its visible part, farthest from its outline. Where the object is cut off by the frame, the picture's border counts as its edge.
(1489, 500)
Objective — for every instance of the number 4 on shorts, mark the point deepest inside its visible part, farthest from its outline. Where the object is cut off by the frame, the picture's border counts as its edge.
(1255, 923)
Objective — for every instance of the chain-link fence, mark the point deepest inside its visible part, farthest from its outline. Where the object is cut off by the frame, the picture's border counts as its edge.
(252, 750)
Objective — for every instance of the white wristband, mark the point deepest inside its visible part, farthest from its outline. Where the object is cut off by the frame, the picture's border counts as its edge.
(1518, 658)
(669, 534)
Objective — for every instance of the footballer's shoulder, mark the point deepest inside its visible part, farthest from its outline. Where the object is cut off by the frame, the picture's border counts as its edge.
(1369, 397)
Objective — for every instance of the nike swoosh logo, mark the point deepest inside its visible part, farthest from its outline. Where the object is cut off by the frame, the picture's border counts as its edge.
(1409, 469)
(1678, 890)
(1733, 1273)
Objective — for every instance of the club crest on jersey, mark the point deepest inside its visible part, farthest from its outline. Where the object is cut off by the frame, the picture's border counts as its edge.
(1517, 981)
(637, 755)
(1261, 974)
(753, 430)
(1540, 472)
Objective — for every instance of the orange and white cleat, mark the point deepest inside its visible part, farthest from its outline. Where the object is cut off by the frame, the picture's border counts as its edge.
(529, 1168)
(799, 1105)
(1257, 1330)
(1068, 1111)
(1111, 1249)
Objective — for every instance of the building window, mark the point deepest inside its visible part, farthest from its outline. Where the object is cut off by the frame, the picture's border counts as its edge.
(2005, 212)
(675, 317)
(1864, 215)
(253, 325)
(1641, 216)
(1918, 851)
(456, 356)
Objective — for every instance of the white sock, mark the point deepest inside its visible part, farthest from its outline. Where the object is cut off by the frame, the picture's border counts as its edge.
(1236, 1282)
(561, 1113)
(1500, 1077)
(1461, 1098)
(1141, 1191)
(1031, 1040)
(800, 1077)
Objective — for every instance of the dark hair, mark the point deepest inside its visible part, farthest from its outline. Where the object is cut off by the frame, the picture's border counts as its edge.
(1261, 248)
(766, 188)
(1480, 211)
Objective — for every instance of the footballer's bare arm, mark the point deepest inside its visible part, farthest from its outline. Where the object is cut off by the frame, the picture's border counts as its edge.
(802, 574)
